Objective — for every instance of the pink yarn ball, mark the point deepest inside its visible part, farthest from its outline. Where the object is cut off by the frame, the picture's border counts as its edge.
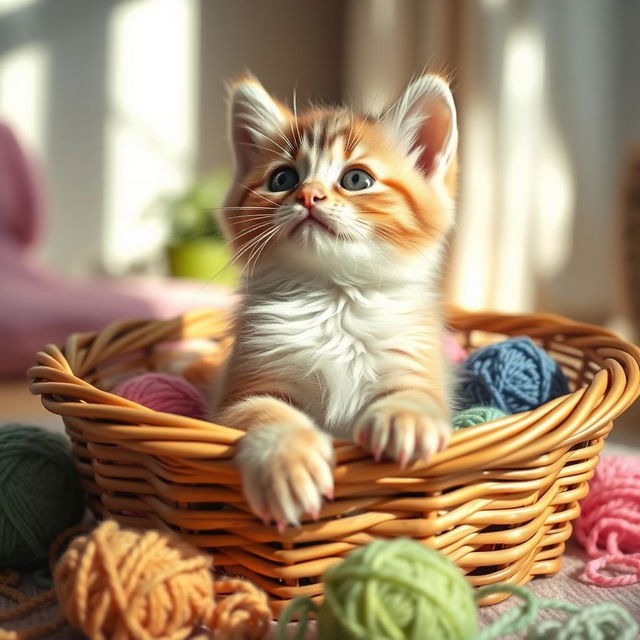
(164, 392)
(609, 523)
(452, 349)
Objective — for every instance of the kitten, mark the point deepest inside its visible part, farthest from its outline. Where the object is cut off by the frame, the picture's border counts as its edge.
(339, 220)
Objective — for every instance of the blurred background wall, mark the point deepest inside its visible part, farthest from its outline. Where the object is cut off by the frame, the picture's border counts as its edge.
(122, 101)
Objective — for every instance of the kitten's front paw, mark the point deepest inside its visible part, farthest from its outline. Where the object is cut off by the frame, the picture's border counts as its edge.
(404, 426)
(286, 469)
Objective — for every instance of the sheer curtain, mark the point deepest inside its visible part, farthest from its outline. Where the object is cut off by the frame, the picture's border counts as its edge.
(538, 85)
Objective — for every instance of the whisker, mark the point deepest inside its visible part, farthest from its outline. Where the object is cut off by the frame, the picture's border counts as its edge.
(264, 135)
(254, 256)
(273, 202)
(286, 140)
(295, 117)
(230, 208)
(259, 146)
(252, 216)
(246, 231)
(248, 245)
(253, 244)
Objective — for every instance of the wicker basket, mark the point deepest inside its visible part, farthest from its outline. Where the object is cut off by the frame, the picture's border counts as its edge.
(499, 501)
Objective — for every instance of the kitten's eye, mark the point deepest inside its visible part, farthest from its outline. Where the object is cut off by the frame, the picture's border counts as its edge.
(356, 180)
(283, 179)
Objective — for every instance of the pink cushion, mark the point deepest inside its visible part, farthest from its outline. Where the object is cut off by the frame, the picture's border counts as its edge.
(20, 201)
(37, 307)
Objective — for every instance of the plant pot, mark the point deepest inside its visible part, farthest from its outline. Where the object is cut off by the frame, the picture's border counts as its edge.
(202, 259)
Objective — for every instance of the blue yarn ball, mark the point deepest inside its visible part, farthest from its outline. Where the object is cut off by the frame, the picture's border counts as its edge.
(514, 375)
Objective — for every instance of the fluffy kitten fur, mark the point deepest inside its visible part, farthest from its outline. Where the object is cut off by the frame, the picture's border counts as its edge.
(339, 333)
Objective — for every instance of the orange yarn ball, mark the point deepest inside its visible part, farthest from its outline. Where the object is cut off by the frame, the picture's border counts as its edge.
(124, 584)
(120, 584)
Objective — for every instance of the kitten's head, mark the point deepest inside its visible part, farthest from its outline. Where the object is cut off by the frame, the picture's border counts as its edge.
(338, 192)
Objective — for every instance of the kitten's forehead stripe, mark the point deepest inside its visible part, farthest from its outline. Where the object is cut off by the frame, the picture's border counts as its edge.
(318, 133)
(324, 142)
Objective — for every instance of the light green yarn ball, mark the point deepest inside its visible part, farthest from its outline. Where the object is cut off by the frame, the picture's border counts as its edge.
(476, 415)
(397, 590)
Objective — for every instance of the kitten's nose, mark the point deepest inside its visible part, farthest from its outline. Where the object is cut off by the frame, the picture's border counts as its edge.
(310, 194)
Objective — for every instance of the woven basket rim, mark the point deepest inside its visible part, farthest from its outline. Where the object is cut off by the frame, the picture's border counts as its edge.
(53, 375)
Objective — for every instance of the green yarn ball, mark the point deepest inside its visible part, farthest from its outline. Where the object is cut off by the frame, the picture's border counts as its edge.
(476, 415)
(396, 590)
(40, 494)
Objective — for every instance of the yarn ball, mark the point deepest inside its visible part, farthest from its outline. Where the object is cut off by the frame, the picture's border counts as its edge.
(609, 523)
(164, 392)
(40, 494)
(133, 585)
(453, 350)
(476, 415)
(396, 589)
(514, 375)
(151, 585)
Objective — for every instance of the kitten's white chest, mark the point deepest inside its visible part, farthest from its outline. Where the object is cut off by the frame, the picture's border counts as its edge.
(332, 344)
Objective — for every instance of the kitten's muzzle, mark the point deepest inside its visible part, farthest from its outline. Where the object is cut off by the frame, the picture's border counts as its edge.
(313, 217)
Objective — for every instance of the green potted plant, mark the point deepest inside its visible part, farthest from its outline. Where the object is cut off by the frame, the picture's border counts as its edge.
(196, 247)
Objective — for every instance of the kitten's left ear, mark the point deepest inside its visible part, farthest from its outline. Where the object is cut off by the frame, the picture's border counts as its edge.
(424, 120)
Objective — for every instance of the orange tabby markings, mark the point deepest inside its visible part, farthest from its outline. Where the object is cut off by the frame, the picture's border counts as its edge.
(339, 332)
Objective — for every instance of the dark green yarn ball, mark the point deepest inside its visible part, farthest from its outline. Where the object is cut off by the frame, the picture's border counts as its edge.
(40, 494)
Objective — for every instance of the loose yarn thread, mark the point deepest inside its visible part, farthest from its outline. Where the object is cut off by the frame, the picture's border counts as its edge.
(513, 375)
(609, 523)
(9, 581)
(599, 621)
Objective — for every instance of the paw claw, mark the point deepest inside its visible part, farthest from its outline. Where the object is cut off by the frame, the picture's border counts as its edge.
(285, 471)
(407, 426)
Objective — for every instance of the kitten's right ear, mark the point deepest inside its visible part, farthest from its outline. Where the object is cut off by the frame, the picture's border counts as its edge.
(424, 121)
(255, 120)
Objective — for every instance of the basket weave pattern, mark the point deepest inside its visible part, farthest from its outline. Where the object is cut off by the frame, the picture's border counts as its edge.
(499, 500)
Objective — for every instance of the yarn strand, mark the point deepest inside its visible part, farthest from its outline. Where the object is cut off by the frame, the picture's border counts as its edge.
(511, 621)
(9, 580)
(599, 621)
(303, 606)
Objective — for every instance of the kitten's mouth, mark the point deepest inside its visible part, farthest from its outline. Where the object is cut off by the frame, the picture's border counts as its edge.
(313, 220)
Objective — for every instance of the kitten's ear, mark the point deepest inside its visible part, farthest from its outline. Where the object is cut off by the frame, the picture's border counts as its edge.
(424, 120)
(255, 120)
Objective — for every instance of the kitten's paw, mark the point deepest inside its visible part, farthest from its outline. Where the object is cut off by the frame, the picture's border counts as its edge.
(286, 469)
(404, 426)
